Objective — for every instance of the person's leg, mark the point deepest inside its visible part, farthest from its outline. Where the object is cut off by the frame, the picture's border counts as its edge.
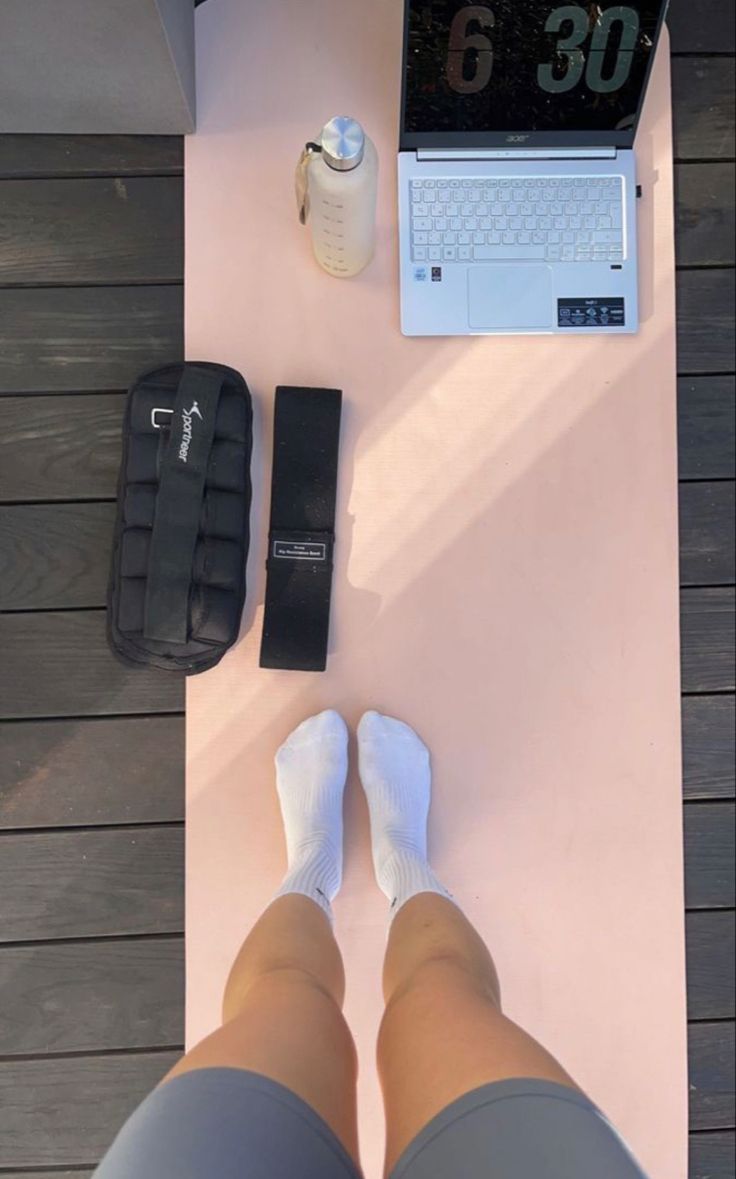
(282, 1009)
(443, 1032)
(283, 1018)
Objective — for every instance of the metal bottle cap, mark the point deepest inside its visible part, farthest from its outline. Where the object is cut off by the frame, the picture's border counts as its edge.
(343, 143)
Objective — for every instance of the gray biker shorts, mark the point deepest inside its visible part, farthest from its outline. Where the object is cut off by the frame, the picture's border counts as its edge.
(223, 1123)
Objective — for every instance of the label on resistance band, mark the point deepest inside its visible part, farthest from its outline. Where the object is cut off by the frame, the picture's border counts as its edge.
(590, 313)
(292, 551)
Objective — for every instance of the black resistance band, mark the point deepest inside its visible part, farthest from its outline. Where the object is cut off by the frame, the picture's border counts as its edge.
(302, 530)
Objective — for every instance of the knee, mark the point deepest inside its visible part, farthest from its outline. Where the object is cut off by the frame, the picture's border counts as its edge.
(286, 996)
(280, 977)
(441, 994)
(443, 978)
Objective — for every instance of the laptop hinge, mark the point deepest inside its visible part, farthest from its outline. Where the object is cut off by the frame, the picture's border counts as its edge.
(549, 153)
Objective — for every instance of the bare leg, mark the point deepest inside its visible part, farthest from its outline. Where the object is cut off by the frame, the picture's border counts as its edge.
(443, 1032)
(282, 1015)
(282, 1009)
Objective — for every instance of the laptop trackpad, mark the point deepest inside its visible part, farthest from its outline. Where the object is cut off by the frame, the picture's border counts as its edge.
(518, 296)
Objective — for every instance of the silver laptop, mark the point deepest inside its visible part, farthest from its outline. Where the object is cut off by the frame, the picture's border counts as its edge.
(517, 175)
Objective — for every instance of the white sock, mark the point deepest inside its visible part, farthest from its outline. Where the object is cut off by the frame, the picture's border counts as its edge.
(396, 777)
(311, 770)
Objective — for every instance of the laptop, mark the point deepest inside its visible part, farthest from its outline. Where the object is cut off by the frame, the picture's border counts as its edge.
(517, 174)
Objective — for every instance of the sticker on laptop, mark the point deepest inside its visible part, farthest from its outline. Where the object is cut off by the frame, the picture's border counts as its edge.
(590, 313)
(420, 274)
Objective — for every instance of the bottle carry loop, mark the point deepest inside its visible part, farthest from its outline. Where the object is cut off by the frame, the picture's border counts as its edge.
(301, 180)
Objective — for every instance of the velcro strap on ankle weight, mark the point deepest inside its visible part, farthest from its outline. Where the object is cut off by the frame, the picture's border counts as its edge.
(178, 505)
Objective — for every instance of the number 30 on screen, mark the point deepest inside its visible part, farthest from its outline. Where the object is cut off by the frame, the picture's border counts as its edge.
(575, 22)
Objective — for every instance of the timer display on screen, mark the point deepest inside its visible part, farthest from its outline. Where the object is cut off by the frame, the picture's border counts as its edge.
(526, 65)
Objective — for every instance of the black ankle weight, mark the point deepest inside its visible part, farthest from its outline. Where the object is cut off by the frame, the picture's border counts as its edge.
(177, 582)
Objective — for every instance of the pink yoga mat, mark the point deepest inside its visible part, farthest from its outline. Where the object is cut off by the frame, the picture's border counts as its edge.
(506, 580)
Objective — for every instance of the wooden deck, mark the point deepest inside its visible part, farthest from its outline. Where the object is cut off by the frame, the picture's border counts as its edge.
(91, 756)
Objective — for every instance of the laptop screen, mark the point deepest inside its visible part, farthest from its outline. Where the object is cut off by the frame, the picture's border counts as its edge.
(526, 67)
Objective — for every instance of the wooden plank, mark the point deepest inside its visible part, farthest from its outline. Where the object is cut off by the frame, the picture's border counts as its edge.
(91, 996)
(704, 214)
(707, 539)
(709, 746)
(91, 155)
(705, 321)
(61, 447)
(76, 339)
(707, 427)
(57, 665)
(76, 884)
(55, 556)
(707, 636)
(704, 27)
(66, 1112)
(711, 1076)
(711, 1155)
(50, 772)
(703, 108)
(709, 855)
(77, 232)
(77, 1173)
(711, 949)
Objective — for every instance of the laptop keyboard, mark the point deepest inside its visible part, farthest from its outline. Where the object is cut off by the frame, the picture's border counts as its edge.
(548, 218)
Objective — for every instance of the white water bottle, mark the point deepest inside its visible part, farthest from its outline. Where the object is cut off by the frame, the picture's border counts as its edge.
(337, 180)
